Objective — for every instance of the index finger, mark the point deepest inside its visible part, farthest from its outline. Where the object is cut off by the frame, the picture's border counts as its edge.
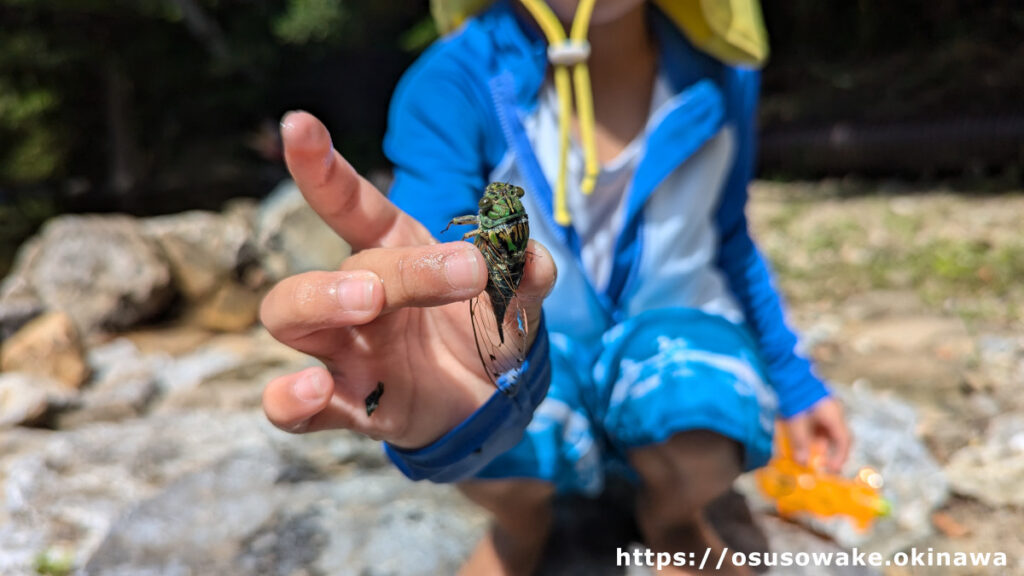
(348, 203)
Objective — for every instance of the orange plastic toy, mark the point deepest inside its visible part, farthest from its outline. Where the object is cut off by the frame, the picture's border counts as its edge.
(797, 488)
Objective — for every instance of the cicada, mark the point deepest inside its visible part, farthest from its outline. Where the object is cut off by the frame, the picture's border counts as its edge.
(503, 230)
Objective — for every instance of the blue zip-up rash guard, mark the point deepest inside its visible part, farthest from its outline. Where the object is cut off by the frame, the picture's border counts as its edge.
(457, 119)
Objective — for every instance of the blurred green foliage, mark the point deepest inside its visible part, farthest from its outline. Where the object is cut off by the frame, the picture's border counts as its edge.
(310, 21)
(127, 97)
(33, 151)
(143, 98)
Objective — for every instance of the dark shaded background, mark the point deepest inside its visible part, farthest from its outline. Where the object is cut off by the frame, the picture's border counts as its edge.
(157, 106)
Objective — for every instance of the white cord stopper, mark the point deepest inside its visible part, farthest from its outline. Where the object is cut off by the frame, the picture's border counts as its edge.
(569, 52)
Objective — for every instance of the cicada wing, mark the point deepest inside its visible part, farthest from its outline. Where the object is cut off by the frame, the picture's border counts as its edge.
(496, 356)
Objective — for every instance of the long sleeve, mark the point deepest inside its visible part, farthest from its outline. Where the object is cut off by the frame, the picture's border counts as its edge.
(437, 142)
(748, 273)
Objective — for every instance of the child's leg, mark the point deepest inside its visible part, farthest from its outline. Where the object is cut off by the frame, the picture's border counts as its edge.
(681, 476)
(685, 398)
(521, 511)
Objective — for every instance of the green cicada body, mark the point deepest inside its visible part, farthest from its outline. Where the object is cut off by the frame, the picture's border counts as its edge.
(502, 234)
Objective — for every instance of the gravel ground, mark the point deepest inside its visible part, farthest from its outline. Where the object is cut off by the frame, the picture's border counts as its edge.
(916, 292)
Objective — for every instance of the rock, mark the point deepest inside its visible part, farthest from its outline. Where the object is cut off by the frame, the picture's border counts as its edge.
(237, 518)
(395, 527)
(118, 353)
(177, 340)
(19, 302)
(26, 398)
(221, 372)
(204, 248)
(883, 439)
(992, 471)
(999, 369)
(126, 382)
(191, 370)
(22, 400)
(47, 346)
(215, 493)
(111, 400)
(784, 537)
(228, 372)
(195, 522)
(822, 331)
(101, 270)
(341, 450)
(120, 358)
(1000, 351)
(231, 307)
(16, 311)
(16, 441)
(292, 238)
(883, 429)
(73, 488)
(228, 395)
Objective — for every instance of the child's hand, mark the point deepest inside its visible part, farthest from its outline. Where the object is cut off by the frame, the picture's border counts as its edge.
(394, 314)
(822, 422)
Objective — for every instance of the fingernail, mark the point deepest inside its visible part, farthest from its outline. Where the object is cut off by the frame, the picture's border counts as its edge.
(355, 294)
(310, 387)
(462, 269)
(285, 123)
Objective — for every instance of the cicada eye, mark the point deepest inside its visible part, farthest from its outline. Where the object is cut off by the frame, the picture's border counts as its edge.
(520, 191)
(486, 203)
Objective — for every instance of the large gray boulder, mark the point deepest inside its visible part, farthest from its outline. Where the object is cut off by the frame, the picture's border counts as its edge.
(23, 398)
(292, 238)
(48, 346)
(203, 248)
(205, 492)
(103, 271)
(993, 471)
(19, 302)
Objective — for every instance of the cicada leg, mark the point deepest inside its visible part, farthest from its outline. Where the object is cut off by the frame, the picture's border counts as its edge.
(462, 221)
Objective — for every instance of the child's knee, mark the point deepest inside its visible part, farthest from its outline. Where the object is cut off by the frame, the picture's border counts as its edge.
(684, 474)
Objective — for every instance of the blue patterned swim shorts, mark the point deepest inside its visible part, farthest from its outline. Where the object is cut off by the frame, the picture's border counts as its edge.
(655, 375)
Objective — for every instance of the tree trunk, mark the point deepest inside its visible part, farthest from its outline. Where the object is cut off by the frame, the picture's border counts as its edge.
(124, 152)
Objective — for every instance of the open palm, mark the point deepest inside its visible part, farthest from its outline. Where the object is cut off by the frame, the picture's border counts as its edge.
(395, 314)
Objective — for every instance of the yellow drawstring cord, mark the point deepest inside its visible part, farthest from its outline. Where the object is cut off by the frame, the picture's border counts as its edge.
(562, 53)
